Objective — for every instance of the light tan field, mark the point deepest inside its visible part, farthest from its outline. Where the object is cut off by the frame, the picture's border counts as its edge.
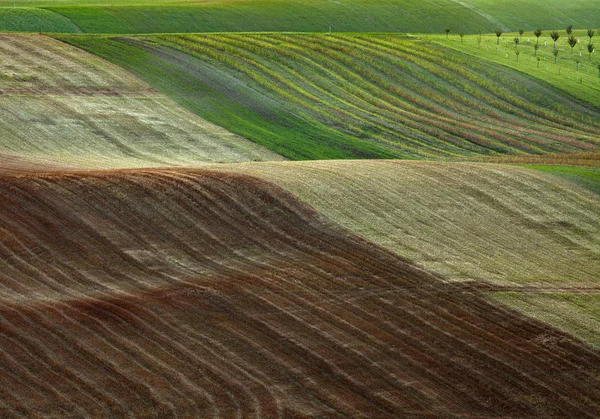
(60, 104)
(465, 221)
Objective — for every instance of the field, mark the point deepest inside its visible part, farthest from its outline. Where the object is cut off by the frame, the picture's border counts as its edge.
(546, 232)
(63, 105)
(356, 96)
(25, 19)
(432, 252)
(574, 71)
(427, 16)
(226, 291)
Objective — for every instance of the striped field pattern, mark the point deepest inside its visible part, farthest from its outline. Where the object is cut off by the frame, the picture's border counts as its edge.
(179, 293)
(466, 221)
(412, 98)
(61, 104)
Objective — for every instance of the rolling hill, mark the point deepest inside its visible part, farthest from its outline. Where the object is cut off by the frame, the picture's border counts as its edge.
(310, 96)
(467, 222)
(158, 258)
(180, 293)
(62, 105)
(427, 16)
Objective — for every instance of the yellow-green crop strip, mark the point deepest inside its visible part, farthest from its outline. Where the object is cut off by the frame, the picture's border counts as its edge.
(314, 96)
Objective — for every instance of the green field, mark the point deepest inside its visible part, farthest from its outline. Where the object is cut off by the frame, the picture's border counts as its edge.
(313, 96)
(22, 19)
(581, 80)
(428, 16)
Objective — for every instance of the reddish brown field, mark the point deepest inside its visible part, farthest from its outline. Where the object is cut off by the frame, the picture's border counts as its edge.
(190, 293)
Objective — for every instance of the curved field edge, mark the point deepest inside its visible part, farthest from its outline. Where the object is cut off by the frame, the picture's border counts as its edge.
(64, 106)
(356, 95)
(431, 16)
(202, 293)
(262, 16)
(468, 222)
(29, 19)
(576, 314)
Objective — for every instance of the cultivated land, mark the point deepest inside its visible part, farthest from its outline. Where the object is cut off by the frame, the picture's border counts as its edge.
(574, 71)
(356, 96)
(61, 105)
(443, 216)
(432, 16)
(298, 289)
(221, 294)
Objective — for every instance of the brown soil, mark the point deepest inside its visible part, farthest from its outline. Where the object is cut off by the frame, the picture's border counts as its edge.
(194, 293)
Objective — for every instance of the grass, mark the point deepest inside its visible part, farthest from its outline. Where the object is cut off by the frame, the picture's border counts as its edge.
(313, 96)
(273, 15)
(588, 177)
(581, 82)
(62, 105)
(490, 223)
(24, 19)
(427, 16)
(577, 314)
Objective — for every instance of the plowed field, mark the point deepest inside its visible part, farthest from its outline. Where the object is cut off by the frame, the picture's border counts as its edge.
(494, 223)
(179, 293)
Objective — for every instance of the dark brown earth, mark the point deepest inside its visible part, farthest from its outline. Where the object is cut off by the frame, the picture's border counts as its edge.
(189, 293)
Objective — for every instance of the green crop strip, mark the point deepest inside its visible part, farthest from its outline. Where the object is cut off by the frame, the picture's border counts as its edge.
(588, 177)
(22, 19)
(314, 96)
(426, 16)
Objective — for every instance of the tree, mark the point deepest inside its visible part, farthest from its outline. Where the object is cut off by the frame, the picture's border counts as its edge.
(569, 30)
(572, 42)
(577, 61)
(554, 35)
(498, 35)
(590, 33)
(517, 52)
(535, 49)
(590, 48)
(555, 52)
(537, 33)
(538, 62)
(598, 70)
(521, 32)
(462, 35)
(447, 30)
(516, 41)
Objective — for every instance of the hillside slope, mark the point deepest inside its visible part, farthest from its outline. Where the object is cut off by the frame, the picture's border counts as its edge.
(59, 104)
(183, 293)
(309, 96)
(425, 16)
(468, 222)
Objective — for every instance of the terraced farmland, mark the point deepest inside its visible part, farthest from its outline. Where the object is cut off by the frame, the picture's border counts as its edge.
(181, 293)
(380, 96)
(62, 105)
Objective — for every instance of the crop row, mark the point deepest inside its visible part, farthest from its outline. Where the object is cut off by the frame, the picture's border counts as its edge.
(464, 221)
(59, 103)
(417, 99)
(173, 293)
